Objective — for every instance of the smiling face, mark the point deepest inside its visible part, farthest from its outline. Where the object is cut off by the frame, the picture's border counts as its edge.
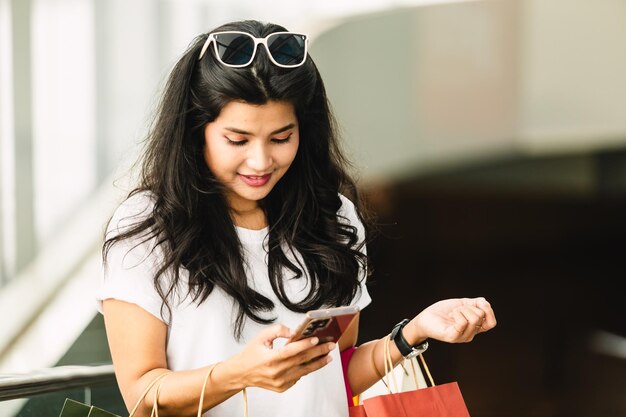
(249, 148)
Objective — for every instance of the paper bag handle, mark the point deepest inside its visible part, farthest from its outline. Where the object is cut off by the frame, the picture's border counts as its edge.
(206, 380)
(159, 379)
(145, 392)
(390, 377)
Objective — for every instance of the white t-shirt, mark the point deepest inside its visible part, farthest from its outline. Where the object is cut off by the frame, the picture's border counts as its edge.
(199, 335)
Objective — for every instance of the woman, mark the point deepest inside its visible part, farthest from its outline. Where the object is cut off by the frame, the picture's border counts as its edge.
(244, 219)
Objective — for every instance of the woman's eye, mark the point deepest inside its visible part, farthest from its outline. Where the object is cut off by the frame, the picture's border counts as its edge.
(236, 142)
(281, 140)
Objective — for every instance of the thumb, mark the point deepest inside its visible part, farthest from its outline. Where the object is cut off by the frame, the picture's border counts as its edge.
(269, 334)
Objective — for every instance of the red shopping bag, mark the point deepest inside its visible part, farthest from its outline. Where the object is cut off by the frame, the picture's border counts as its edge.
(357, 411)
(443, 400)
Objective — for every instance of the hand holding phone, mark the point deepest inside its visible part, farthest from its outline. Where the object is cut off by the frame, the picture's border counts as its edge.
(326, 324)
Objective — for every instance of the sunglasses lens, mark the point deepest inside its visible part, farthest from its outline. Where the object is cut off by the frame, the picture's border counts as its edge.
(286, 48)
(234, 48)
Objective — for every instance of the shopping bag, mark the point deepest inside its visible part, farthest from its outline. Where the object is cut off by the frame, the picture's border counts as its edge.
(357, 411)
(443, 400)
(73, 408)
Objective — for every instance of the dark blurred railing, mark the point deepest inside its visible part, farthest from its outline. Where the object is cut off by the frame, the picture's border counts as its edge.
(54, 379)
(43, 392)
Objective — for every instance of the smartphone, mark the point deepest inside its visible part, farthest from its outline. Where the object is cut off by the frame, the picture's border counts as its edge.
(327, 324)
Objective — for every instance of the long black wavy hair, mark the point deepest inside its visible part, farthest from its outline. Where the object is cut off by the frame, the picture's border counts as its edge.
(191, 221)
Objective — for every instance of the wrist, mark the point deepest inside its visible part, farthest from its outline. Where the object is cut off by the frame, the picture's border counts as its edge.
(230, 375)
(406, 348)
(413, 334)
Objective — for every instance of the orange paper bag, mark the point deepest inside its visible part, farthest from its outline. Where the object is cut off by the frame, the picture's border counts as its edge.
(443, 400)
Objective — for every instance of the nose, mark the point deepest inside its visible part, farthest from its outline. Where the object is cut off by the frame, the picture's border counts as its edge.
(260, 158)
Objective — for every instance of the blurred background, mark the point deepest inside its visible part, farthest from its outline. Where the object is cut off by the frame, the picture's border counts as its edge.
(488, 136)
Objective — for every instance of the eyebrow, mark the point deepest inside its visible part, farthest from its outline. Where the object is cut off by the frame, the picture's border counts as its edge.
(243, 132)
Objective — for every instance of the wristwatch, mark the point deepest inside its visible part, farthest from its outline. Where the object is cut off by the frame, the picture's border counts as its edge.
(404, 347)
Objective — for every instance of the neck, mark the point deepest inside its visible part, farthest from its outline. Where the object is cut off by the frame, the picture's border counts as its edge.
(253, 218)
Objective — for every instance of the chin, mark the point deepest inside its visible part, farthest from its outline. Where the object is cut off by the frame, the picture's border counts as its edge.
(256, 195)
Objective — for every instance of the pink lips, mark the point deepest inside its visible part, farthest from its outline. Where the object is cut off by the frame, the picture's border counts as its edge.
(255, 180)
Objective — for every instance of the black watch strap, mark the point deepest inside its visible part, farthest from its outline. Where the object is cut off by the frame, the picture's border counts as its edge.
(404, 347)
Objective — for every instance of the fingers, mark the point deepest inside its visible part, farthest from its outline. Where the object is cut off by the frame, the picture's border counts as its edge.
(466, 323)
(269, 334)
(283, 381)
(293, 349)
(490, 317)
(314, 364)
(297, 359)
(303, 351)
(473, 316)
(279, 368)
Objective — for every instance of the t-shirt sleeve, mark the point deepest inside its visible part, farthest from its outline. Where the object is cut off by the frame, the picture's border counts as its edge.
(128, 271)
(348, 212)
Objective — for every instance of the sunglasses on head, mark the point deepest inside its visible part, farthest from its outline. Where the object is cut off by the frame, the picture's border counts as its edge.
(237, 49)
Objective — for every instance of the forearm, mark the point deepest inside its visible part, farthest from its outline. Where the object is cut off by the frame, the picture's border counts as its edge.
(180, 391)
(367, 364)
